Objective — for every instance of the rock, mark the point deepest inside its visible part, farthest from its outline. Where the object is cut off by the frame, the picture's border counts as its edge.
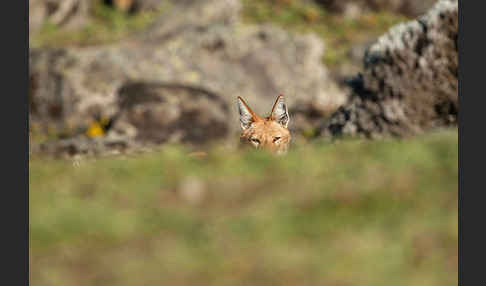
(409, 83)
(351, 8)
(84, 146)
(208, 54)
(147, 5)
(37, 15)
(69, 14)
(134, 6)
(171, 113)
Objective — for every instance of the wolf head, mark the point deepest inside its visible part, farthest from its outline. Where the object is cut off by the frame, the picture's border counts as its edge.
(270, 133)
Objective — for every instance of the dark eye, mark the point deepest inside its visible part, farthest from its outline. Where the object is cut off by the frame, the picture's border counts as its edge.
(275, 139)
(255, 140)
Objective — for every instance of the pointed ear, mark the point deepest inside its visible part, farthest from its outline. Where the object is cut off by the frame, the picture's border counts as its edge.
(280, 112)
(247, 116)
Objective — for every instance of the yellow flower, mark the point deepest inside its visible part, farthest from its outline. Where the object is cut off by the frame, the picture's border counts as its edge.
(95, 130)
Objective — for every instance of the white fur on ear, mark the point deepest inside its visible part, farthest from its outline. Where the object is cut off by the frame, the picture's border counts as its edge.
(246, 117)
(280, 112)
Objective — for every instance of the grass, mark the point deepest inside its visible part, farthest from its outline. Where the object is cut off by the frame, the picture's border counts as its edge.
(353, 212)
(338, 32)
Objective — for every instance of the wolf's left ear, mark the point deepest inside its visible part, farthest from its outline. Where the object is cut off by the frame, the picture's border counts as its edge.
(247, 116)
(280, 112)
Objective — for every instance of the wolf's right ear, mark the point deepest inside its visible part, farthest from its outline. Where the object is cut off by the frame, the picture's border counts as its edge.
(280, 112)
(247, 116)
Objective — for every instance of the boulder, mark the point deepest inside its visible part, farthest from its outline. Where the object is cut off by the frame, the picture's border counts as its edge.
(410, 80)
(159, 113)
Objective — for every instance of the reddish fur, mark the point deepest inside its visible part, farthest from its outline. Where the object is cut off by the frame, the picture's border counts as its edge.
(266, 129)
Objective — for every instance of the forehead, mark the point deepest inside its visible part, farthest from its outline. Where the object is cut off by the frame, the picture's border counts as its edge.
(269, 127)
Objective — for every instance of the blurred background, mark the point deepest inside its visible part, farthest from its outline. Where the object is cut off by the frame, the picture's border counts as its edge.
(121, 91)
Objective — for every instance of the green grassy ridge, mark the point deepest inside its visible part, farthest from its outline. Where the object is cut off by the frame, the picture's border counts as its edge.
(352, 212)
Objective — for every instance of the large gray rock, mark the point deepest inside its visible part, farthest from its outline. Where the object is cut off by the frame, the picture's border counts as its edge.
(206, 52)
(409, 83)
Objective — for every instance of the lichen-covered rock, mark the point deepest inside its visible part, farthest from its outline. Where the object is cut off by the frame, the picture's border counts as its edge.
(209, 50)
(409, 83)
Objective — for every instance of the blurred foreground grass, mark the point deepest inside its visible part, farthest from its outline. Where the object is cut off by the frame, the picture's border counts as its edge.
(353, 212)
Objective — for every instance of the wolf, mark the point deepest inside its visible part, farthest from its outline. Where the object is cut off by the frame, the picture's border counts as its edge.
(269, 133)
